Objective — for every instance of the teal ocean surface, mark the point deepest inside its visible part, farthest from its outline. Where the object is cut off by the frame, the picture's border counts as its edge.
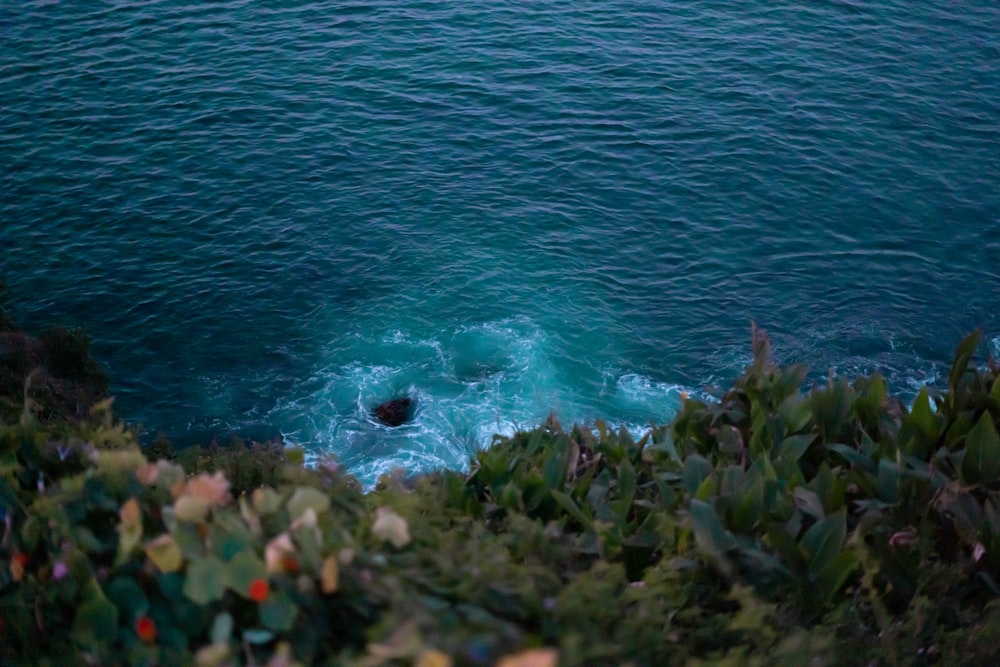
(273, 216)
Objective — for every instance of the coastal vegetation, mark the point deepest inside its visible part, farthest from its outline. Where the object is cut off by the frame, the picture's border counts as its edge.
(771, 525)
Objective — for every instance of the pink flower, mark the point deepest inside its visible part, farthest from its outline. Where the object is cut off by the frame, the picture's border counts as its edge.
(59, 570)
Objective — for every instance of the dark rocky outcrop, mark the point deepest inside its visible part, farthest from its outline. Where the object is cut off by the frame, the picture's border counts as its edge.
(56, 369)
(395, 412)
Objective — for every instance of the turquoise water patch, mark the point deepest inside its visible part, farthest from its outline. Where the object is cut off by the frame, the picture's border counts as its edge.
(467, 384)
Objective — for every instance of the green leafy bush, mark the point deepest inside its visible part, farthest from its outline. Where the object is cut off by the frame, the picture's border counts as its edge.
(772, 526)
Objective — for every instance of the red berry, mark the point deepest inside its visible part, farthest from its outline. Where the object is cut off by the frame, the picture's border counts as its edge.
(146, 629)
(259, 590)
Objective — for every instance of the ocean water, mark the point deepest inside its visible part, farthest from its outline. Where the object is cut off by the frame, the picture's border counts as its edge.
(272, 216)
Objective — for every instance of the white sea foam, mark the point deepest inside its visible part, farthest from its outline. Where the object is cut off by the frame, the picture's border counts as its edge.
(467, 385)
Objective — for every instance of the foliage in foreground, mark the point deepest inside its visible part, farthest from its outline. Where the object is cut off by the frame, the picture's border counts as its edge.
(768, 527)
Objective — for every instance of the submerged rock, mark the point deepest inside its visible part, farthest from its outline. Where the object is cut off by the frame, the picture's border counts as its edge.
(394, 412)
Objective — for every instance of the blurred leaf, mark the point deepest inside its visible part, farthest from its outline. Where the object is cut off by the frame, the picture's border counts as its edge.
(626, 480)
(711, 535)
(266, 500)
(795, 414)
(887, 481)
(793, 447)
(706, 489)
(834, 574)
(982, 452)
(696, 469)
(306, 497)
(807, 501)
(824, 540)
(569, 505)
(191, 508)
(245, 568)
(277, 613)
(128, 597)
(164, 553)
(222, 628)
(205, 580)
(963, 355)
(96, 619)
(855, 458)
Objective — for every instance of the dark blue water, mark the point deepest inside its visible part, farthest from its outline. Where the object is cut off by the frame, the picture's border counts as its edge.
(272, 216)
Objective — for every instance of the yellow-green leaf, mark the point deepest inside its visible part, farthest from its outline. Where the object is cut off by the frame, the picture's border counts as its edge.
(164, 553)
(306, 497)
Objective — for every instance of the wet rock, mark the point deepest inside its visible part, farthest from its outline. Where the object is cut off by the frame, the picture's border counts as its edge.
(395, 412)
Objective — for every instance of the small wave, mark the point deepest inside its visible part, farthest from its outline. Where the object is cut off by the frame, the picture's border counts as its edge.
(638, 393)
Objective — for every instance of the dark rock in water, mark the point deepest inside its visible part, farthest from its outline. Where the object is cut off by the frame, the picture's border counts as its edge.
(394, 412)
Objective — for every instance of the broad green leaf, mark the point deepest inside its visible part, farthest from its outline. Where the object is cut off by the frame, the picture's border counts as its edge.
(858, 460)
(922, 413)
(918, 439)
(277, 612)
(667, 495)
(164, 553)
(266, 500)
(795, 414)
(128, 597)
(887, 481)
(790, 552)
(306, 497)
(982, 452)
(242, 570)
(205, 580)
(711, 535)
(793, 447)
(696, 469)
(966, 515)
(554, 470)
(833, 575)
(706, 489)
(963, 355)
(191, 508)
(626, 480)
(747, 510)
(96, 620)
(808, 501)
(824, 540)
(569, 505)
